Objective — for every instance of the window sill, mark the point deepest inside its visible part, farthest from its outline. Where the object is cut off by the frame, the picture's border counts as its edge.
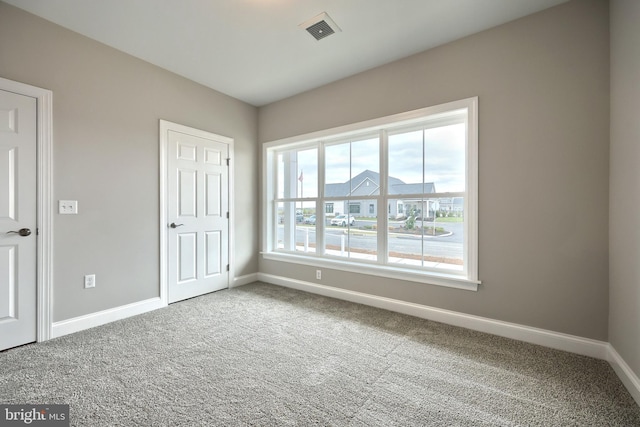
(429, 278)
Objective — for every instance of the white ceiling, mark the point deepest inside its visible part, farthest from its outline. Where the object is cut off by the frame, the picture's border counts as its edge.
(254, 50)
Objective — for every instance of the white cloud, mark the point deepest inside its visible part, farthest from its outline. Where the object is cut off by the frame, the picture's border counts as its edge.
(444, 163)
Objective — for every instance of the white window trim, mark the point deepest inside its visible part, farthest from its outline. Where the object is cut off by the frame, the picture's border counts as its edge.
(468, 282)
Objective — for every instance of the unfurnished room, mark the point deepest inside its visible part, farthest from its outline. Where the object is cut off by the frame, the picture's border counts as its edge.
(323, 212)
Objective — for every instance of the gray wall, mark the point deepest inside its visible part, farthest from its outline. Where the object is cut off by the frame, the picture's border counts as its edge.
(624, 220)
(106, 108)
(543, 88)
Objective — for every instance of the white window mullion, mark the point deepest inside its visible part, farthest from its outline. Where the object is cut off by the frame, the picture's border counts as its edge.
(321, 215)
(471, 197)
(383, 201)
(271, 215)
(290, 192)
(422, 213)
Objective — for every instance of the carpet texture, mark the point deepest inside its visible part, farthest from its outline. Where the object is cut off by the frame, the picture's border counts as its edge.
(269, 356)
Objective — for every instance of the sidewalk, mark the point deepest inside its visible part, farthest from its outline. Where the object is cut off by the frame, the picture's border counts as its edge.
(392, 260)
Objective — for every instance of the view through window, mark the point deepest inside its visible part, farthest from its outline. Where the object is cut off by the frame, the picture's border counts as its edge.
(400, 195)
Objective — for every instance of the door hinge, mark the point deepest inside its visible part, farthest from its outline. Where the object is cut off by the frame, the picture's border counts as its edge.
(228, 161)
(227, 215)
(228, 267)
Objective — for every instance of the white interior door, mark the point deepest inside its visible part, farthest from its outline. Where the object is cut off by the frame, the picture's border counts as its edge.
(18, 219)
(197, 212)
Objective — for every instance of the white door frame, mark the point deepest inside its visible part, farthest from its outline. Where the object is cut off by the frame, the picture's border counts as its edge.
(44, 264)
(165, 126)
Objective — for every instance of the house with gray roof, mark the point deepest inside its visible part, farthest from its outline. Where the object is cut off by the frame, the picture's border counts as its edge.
(366, 184)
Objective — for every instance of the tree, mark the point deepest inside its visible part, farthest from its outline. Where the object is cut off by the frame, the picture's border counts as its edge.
(410, 223)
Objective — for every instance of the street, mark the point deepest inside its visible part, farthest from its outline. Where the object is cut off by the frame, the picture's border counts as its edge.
(361, 240)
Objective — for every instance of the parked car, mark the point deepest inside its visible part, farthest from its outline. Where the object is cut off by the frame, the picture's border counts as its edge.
(299, 218)
(342, 220)
(310, 220)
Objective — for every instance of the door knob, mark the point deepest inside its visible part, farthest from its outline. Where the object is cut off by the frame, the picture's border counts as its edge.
(24, 232)
(174, 225)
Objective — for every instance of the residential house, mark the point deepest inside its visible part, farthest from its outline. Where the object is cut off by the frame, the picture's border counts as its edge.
(367, 183)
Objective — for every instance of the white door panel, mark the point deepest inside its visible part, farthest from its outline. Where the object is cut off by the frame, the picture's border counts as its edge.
(213, 193)
(197, 205)
(8, 285)
(8, 201)
(213, 253)
(187, 196)
(17, 211)
(187, 255)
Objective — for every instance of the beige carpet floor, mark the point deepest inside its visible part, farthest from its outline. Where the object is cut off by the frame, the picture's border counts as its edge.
(262, 355)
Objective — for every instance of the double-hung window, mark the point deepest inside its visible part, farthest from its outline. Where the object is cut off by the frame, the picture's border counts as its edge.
(395, 197)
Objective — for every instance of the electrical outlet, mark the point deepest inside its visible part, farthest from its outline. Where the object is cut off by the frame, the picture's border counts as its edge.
(319, 274)
(68, 207)
(89, 281)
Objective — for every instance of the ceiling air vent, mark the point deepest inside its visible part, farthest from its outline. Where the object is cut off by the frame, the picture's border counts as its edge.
(320, 26)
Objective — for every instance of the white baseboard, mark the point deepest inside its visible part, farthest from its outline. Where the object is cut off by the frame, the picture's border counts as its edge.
(627, 376)
(556, 340)
(571, 343)
(244, 280)
(80, 323)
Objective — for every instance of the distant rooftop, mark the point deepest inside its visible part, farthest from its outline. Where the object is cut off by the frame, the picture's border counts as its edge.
(367, 183)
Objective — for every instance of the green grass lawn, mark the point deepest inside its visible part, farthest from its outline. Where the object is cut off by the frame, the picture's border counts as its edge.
(450, 219)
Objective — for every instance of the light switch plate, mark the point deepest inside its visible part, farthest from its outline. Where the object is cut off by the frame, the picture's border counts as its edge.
(68, 207)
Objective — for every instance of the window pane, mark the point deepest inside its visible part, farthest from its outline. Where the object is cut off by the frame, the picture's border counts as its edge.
(430, 233)
(280, 176)
(348, 236)
(365, 167)
(444, 234)
(285, 217)
(306, 227)
(437, 152)
(352, 168)
(296, 226)
(406, 154)
(444, 157)
(308, 173)
(297, 173)
(337, 171)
